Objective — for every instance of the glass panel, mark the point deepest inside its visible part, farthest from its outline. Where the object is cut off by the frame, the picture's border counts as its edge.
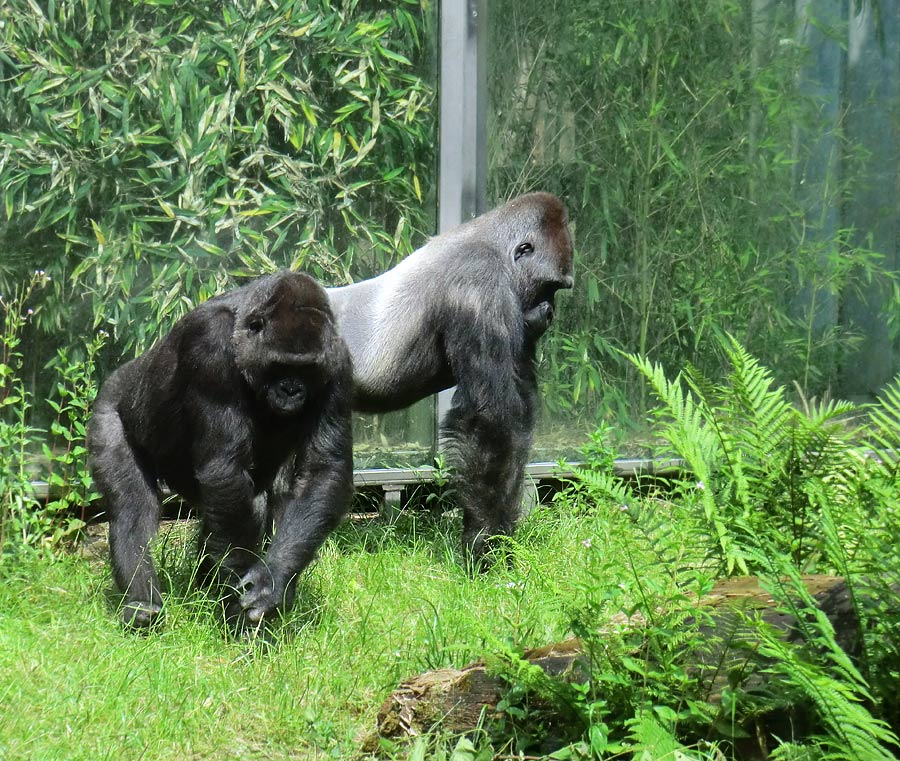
(728, 168)
(147, 172)
(399, 439)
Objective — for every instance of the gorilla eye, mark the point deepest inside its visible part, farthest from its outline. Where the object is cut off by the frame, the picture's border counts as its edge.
(256, 324)
(522, 249)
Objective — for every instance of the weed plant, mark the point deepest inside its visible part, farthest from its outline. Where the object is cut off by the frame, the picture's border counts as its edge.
(27, 521)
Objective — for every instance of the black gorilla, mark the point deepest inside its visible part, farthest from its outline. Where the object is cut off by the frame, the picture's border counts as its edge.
(467, 310)
(241, 384)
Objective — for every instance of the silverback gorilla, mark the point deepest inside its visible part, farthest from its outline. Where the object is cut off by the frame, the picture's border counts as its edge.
(243, 383)
(467, 310)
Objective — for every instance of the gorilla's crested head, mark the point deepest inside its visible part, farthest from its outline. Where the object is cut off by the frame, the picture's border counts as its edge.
(284, 340)
(534, 230)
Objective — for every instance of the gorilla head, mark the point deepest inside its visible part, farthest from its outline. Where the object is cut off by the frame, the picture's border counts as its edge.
(283, 338)
(533, 230)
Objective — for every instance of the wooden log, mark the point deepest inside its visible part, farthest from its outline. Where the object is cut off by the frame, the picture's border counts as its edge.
(458, 699)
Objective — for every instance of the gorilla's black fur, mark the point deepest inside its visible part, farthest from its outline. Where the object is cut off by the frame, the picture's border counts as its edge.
(241, 384)
(467, 310)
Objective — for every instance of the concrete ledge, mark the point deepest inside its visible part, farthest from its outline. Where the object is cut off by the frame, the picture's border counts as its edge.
(538, 471)
(393, 480)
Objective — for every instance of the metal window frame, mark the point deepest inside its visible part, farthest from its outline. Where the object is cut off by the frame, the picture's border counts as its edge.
(462, 126)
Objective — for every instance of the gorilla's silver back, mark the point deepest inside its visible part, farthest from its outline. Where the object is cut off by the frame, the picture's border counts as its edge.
(388, 322)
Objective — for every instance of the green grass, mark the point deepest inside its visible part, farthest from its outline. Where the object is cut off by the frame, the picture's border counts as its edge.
(773, 489)
(383, 602)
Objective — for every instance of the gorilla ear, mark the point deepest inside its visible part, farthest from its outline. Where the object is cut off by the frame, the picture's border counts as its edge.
(523, 249)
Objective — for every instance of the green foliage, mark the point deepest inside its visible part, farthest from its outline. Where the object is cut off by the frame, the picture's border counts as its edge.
(769, 488)
(26, 523)
(68, 478)
(685, 143)
(17, 498)
(634, 608)
(387, 601)
(154, 150)
(758, 464)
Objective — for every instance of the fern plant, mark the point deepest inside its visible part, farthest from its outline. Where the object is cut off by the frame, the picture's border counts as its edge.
(776, 487)
(756, 461)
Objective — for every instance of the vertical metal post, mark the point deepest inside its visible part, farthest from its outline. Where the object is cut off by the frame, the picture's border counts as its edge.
(462, 132)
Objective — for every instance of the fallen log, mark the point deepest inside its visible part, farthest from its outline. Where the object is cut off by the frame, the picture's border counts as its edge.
(457, 700)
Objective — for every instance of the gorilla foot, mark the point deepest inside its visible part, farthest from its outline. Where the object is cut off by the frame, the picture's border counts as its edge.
(140, 614)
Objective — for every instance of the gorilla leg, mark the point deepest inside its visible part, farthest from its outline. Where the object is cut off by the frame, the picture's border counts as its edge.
(488, 460)
(133, 507)
(489, 425)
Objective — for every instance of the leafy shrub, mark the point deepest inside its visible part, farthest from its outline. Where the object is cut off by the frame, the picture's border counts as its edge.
(769, 488)
(29, 523)
(154, 150)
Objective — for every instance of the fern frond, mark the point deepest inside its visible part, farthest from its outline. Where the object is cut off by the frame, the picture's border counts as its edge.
(759, 418)
(854, 734)
(605, 484)
(832, 682)
(752, 389)
(883, 432)
(830, 412)
(692, 436)
(653, 740)
(710, 401)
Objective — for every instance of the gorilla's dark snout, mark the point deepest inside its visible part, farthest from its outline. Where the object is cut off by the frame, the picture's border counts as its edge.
(288, 394)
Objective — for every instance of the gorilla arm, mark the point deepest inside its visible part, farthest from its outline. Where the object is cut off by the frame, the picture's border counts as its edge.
(488, 427)
(131, 502)
(310, 499)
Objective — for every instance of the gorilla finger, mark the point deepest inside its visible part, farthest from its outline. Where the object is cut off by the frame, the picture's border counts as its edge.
(258, 578)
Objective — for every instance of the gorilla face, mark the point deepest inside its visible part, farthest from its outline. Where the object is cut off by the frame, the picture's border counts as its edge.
(542, 257)
(282, 340)
(286, 394)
